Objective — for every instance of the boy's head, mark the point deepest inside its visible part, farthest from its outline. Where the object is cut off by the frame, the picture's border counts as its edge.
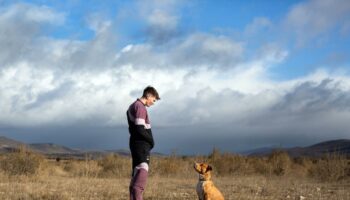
(151, 95)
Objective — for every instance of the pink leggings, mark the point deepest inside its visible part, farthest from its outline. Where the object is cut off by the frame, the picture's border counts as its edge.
(138, 184)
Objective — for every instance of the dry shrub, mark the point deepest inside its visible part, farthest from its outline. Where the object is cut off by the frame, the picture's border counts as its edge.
(85, 168)
(50, 168)
(73, 167)
(280, 163)
(260, 165)
(114, 165)
(332, 167)
(301, 167)
(170, 166)
(164, 167)
(229, 164)
(21, 162)
(329, 168)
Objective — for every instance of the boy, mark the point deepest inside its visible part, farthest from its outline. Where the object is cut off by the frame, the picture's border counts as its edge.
(141, 140)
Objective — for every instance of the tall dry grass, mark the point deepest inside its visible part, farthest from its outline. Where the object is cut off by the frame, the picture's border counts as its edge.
(331, 167)
(114, 166)
(21, 162)
(28, 175)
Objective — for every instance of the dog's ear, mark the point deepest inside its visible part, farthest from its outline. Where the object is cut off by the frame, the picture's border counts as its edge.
(209, 168)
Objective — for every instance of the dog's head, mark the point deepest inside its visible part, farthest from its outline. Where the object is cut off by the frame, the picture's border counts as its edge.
(203, 169)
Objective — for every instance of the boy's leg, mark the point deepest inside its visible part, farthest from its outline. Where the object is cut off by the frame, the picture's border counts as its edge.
(138, 181)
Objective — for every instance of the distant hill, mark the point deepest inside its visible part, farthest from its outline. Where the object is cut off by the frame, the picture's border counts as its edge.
(259, 151)
(334, 146)
(50, 148)
(124, 152)
(7, 144)
(341, 147)
(54, 150)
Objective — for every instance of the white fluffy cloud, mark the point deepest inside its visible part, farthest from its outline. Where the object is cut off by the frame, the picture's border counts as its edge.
(199, 95)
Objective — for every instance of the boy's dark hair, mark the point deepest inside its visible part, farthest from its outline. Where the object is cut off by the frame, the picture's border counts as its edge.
(152, 91)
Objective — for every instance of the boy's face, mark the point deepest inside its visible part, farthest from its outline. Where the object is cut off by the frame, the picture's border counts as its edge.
(150, 100)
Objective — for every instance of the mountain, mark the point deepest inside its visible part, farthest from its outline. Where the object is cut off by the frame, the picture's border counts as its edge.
(124, 152)
(259, 151)
(10, 145)
(7, 144)
(51, 150)
(341, 147)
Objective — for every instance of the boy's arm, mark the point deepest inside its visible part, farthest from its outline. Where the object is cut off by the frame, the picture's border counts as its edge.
(146, 135)
(140, 122)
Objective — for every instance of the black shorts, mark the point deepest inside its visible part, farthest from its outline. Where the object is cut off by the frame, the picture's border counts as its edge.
(140, 152)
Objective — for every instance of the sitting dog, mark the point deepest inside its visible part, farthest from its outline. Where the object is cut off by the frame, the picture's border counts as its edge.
(205, 187)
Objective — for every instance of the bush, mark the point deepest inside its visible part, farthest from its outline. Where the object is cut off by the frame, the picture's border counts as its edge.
(21, 162)
(230, 164)
(115, 165)
(260, 166)
(86, 168)
(171, 166)
(280, 163)
(332, 167)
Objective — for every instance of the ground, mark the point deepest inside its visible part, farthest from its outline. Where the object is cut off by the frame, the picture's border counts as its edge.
(160, 188)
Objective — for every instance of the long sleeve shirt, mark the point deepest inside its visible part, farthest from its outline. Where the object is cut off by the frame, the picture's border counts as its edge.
(139, 124)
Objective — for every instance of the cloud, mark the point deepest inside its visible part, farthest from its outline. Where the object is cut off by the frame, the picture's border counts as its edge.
(206, 49)
(97, 83)
(316, 18)
(98, 24)
(259, 24)
(310, 97)
(31, 13)
(298, 112)
(21, 25)
(161, 18)
(272, 53)
(37, 48)
(207, 82)
(345, 29)
(196, 50)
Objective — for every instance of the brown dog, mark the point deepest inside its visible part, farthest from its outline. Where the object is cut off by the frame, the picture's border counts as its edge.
(205, 187)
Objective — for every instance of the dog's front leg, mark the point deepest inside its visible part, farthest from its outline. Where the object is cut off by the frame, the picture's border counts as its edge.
(206, 197)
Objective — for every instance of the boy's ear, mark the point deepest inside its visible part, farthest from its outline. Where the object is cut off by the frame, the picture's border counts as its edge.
(209, 168)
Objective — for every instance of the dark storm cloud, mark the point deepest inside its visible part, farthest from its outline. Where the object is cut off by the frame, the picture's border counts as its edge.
(309, 112)
(312, 98)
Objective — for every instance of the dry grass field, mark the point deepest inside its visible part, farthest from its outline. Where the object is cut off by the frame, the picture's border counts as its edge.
(25, 175)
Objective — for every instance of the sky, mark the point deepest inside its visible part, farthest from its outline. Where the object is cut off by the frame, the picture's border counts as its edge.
(232, 75)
